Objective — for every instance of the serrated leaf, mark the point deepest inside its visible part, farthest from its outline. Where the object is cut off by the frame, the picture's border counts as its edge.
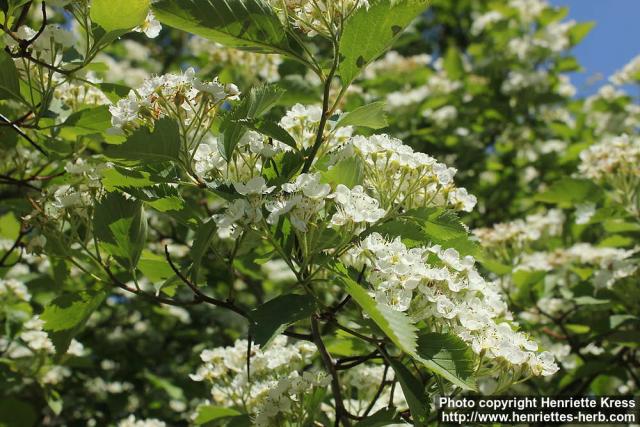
(395, 324)
(120, 226)
(440, 225)
(243, 24)
(90, 121)
(413, 392)
(272, 130)
(160, 145)
(162, 197)
(370, 116)
(273, 317)
(382, 418)
(448, 356)
(114, 91)
(348, 172)
(360, 45)
(259, 100)
(154, 267)
(119, 14)
(67, 314)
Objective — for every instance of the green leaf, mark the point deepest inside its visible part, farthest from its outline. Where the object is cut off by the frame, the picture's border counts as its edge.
(349, 172)
(119, 177)
(619, 226)
(395, 324)
(9, 226)
(422, 226)
(162, 197)
(273, 317)
(119, 14)
(448, 356)
(259, 100)
(570, 191)
(526, 278)
(114, 91)
(160, 145)
(270, 129)
(243, 24)
(382, 418)
(16, 413)
(90, 121)
(618, 319)
(440, 225)
(155, 267)
(413, 392)
(370, 116)
(369, 32)
(173, 391)
(120, 226)
(589, 300)
(580, 31)
(208, 413)
(9, 80)
(204, 235)
(453, 63)
(67, 314)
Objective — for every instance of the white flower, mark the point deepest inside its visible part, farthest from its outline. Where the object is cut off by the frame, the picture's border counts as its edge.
(75, 348)
(355, 206)
(584, 212)
(310, 186)
(255, 186)
(131, 421)
(151, 27)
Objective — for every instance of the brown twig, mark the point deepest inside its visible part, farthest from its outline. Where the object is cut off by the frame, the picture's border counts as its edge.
(341, 412)
(210, 300)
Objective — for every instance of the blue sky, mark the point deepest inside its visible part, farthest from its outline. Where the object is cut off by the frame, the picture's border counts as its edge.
(611, 44)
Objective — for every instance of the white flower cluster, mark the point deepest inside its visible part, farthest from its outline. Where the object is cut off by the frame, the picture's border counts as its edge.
(132, 421)
(363, 382)
(398, 176)
(436, 285)
(517, 81)
(35, 338)
(614, 156)
(612, 264)
(607, 119)
(226, 369)
(522, 232)
(529, 10)
(394, 62)
(74, 198)
(317, 17)
(183, 96)
(481, 22)
(394, 178)
(630, 73)
(553, 37)
(12, 288)
(302, 123)
(437, 84)
(265, 66)
(75, 95)
(286, 398)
